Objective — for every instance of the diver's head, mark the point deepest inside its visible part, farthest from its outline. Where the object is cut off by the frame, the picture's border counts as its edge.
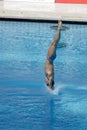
(50, 83)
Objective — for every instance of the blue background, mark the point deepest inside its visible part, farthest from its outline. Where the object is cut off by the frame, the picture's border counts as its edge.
(25, 101)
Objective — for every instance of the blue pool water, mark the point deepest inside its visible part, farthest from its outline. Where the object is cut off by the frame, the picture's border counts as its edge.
(25, 102)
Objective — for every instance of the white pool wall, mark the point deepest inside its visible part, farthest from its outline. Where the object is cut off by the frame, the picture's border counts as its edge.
(20, 9)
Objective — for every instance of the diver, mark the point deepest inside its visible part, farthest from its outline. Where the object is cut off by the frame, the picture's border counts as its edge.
(51, 55)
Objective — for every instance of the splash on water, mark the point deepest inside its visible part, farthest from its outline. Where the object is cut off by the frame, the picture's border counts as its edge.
(64, 88)
(57, 89)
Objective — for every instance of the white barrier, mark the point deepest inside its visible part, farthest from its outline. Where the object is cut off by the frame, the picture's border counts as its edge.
(35, 1)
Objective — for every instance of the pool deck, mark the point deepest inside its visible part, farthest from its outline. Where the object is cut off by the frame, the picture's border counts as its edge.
(43, 11)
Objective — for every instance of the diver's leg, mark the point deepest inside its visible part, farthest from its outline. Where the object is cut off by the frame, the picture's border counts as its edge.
(53, 46)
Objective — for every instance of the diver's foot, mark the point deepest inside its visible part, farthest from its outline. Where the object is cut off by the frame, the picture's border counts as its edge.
(59, 24)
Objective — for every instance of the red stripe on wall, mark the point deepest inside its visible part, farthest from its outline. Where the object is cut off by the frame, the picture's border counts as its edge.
(72, 1)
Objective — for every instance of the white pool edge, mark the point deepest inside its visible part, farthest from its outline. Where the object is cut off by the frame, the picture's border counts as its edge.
(37, 11)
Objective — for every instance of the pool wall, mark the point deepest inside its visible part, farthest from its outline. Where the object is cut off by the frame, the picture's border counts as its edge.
(43, 11)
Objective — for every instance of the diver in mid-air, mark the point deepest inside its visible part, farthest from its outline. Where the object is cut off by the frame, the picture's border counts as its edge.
(51, 55)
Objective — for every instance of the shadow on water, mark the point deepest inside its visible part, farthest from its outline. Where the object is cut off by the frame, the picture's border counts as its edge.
(64, 28)
(62, 45)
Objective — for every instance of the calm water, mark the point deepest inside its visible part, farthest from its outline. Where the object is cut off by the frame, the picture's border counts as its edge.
(25, 102)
